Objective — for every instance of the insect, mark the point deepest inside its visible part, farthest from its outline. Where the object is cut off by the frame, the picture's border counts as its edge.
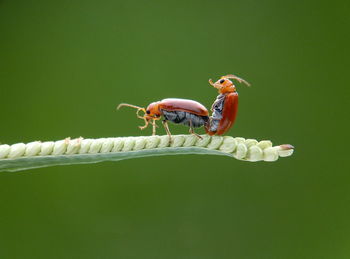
(178, 111)
(224, 108)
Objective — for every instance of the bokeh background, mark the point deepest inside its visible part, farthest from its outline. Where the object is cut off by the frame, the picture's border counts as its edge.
(65, 65)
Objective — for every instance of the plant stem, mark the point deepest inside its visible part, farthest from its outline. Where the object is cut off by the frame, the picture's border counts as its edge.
(38, 154)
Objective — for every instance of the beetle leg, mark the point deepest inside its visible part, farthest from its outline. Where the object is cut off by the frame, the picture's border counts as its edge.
(192, 131)
(154, 127)
(166, 127)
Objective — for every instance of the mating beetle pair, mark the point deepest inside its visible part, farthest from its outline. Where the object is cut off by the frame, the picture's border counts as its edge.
(194, 114)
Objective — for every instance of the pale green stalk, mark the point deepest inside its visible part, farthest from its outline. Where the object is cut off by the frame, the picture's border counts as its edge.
(37, 154)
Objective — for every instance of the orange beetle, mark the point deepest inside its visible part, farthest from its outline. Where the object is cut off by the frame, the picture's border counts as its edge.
(178, 111)
(224, 109)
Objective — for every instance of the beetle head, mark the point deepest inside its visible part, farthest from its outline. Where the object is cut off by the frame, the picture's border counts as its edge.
(225, 85)
(152, 111)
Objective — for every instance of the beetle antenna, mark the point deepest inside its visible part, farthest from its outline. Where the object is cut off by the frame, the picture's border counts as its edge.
(211, 82)
(129, 105)
(146, 124)
(240, 80)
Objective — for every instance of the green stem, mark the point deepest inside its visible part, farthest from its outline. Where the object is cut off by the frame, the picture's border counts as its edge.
(21, 156)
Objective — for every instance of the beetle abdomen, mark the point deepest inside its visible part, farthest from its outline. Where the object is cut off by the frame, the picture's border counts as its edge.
(185, 118)
(224, 113)
(217, 108)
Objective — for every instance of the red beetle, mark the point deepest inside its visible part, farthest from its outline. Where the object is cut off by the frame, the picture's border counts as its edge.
(224, 109)
(178, 111)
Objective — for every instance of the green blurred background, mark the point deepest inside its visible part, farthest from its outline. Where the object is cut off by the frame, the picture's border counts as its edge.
(65, 65)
